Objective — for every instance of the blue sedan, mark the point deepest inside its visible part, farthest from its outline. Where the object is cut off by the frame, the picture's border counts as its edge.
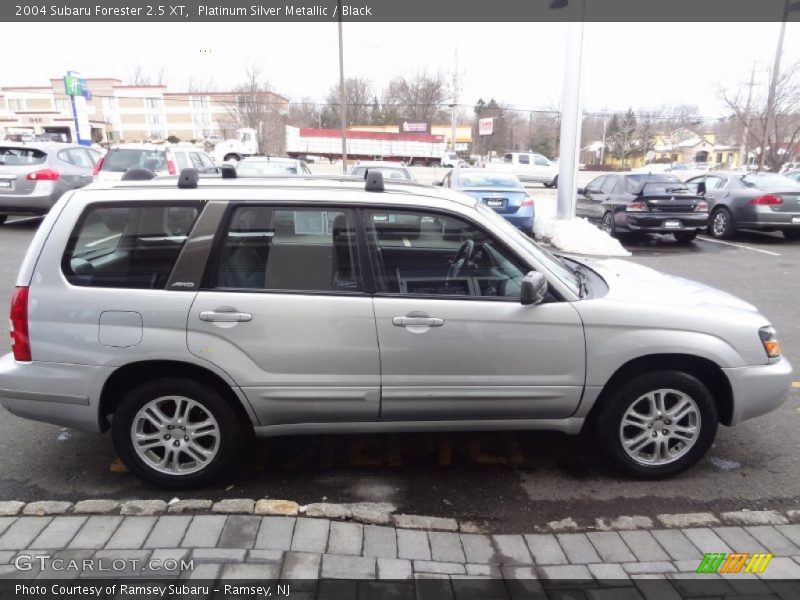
(502, 192)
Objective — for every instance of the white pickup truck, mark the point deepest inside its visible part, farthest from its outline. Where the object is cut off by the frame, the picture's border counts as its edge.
(529, 167)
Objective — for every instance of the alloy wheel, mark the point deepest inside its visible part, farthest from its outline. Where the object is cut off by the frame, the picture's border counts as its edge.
(175, 435)
(660, 426)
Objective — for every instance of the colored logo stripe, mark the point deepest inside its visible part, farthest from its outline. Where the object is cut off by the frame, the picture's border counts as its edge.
(721, 562)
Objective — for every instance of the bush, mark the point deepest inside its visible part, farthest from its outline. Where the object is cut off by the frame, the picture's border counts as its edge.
(173, 139)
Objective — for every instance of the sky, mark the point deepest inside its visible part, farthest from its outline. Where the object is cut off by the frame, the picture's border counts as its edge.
(642, 65)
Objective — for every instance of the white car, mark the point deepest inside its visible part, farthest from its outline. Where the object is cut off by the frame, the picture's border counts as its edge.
(161, 159)
(389, 170)
(529, 167)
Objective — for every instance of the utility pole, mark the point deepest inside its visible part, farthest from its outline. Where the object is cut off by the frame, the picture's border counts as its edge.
(746, 131)
(455, 104)
(603, 146)
(342, 98)
(772, 85)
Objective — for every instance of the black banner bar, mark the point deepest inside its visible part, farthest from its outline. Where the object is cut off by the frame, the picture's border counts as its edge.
(152, 11)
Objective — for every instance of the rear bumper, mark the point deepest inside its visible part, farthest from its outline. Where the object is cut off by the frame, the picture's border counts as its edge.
(769, 219)
(62, 394)
(29, 204)
(656, 223)
(759, 389)
(523, 223)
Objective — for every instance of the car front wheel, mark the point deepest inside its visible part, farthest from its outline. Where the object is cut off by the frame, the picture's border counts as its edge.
(176, 433)
(658, 424)
(609, 226)
(3, 219)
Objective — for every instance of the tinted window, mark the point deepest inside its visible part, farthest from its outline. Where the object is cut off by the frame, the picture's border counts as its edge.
(524, 159)
(432, 254)
(595, 184)
(610, 185)
(128, 246)
(634, 182)
(289, 249)
(21, 156)
(122, 159)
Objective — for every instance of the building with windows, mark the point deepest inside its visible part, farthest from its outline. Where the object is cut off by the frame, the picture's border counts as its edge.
(128, 113)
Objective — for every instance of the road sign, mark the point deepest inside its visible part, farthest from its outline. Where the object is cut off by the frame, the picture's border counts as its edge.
(486, 126)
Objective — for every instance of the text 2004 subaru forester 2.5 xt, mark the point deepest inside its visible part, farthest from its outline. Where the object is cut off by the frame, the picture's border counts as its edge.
(186, 313)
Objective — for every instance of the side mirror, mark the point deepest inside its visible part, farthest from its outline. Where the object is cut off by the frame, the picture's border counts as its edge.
(581, 191)
(534, 288)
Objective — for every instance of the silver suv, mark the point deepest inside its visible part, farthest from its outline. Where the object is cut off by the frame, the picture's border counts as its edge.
(185, 314)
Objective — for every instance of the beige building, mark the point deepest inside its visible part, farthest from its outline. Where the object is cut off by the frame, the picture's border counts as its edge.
(119, 112)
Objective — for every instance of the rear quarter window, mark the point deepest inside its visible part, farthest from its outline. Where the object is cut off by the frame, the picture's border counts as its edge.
(128, 246)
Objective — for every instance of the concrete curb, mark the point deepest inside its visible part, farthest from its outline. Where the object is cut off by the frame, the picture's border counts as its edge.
(379, 513)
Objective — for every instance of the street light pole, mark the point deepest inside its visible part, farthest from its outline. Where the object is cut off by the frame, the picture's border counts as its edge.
(570, 117)
(342, 98)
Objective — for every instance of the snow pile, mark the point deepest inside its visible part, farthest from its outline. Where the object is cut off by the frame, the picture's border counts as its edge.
(576, 236)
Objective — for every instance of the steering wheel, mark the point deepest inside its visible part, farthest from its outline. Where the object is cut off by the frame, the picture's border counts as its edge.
(461, 259)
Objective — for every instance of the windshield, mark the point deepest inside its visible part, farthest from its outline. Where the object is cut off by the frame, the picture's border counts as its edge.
(387, 172)
(487, 180)
(768, 181)
(551, 262)
(122, 159)
(257, 168)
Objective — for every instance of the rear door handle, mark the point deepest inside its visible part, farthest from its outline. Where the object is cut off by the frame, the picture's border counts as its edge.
(225, 317)
(417, 322)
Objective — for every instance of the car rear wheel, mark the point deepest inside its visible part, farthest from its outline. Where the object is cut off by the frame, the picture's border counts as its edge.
(3, 219)
(658, 424)
(609, 226)
(721, 224)
(684, 237)
(176, 433)
(789, 234)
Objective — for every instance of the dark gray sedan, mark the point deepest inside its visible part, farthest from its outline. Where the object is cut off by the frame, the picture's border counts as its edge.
(643, 203)
(762, 201)
(33, 176)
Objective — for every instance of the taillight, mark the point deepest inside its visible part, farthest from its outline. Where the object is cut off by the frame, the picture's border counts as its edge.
(171, 167)
(43, 175)
(637, 206)
(527, 202)
(767, 200)
(701, 206)
(18, 322)
(98, 165)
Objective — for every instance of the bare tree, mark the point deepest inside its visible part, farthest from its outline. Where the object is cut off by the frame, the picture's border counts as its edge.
(621, 136)
(253, 104)
(140, 78)
(420, 97)
(359, 95)
(784, 125)
(305, 113)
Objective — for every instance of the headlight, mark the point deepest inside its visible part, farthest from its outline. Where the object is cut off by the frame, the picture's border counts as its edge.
(770, 341)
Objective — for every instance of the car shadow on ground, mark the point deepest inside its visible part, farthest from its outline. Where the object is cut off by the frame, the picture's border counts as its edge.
(22, 223)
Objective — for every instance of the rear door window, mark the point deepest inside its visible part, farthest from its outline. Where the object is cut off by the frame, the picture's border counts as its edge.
(524, 159)
(128, 246)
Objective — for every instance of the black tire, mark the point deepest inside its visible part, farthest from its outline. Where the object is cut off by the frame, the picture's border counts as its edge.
(555, 181)
(790, 234)
(235, 157)
(232, 433)
(609, 420)
(3, 219)
(720, 225)
(608, 224)
(684, 237)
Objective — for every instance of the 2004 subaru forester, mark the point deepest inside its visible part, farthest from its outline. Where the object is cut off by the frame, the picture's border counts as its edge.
(183, 316)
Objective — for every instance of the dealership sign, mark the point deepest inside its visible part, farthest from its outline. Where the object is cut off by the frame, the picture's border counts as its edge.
(75, 87)
(486, 126)
(408, 127)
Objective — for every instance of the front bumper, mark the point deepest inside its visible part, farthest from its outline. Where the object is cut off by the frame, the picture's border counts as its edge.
(525, 224)
(62, 394)
(656, 223)
(759, 389)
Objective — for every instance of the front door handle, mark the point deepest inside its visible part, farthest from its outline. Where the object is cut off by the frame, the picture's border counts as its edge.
(417, 322)
(225, 317)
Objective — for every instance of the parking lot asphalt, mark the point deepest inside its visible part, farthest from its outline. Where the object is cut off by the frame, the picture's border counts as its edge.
(512, 481)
